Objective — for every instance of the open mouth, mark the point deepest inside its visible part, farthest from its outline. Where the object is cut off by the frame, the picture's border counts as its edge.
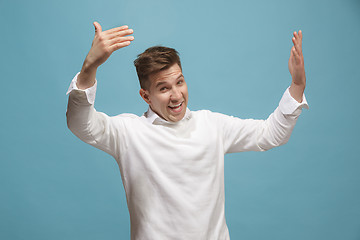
(176, 107)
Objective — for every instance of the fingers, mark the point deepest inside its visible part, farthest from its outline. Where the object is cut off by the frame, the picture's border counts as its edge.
(295, 55)
(298, 37)
(120, 33)
(98, 28)
(120, 37)
(117, 33)
(112, 39)
(114, 32)
(121, 40)
(300, 34)
(297, 41)
(296, 45)
(117, 29)
(117, 46)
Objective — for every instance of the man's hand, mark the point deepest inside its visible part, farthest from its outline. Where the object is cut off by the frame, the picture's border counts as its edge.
(296, 68)
(103, 45)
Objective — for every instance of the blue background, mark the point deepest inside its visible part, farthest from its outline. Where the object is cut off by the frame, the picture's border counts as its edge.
(235, 56)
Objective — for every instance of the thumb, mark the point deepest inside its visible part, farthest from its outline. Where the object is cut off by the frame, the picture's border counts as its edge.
(98, 28)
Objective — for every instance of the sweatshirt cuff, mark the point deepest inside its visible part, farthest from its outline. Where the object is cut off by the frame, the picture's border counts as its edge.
(288, 105)
(90, 92)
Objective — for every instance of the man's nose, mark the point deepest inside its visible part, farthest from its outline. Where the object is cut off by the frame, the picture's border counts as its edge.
(176, 94)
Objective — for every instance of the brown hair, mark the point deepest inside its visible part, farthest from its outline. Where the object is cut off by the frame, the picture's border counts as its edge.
(154, 60)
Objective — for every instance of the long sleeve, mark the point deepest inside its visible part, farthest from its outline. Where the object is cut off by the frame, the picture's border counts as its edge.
(92, 127)
(260, 135)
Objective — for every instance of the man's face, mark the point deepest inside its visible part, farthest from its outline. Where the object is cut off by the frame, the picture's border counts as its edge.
(168, 94)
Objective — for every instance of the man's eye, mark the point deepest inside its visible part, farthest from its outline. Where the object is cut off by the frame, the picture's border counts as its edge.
(163, 89)
(180, 81)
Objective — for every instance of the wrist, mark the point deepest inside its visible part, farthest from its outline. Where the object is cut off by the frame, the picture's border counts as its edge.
(299, 79)
(297, 90)
(298, 84)
(89, 66)
(87, 75)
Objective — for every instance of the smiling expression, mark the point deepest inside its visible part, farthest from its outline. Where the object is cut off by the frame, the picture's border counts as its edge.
(168, 94)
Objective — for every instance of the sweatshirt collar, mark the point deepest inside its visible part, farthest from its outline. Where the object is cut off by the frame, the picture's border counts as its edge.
(153, 118)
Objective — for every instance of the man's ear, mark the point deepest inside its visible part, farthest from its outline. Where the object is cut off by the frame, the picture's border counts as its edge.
(145, 95)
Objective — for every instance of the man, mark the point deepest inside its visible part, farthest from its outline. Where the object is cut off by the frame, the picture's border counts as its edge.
(171, 159)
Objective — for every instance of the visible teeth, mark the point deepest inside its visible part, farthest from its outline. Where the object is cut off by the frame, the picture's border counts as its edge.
(176, 105)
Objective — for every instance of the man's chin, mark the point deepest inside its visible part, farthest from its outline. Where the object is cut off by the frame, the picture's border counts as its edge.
(177, 117)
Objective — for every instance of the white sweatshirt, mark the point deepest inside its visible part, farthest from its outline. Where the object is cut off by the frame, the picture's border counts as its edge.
(173, 173)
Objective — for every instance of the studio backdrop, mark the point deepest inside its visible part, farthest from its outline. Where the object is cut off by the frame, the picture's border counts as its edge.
(235, 61)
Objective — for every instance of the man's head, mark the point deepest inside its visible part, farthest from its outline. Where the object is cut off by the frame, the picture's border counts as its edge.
(154, 60)
(162, 83)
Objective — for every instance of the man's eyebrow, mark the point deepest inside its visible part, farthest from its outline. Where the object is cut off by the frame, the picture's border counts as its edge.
(159, 83)
(163, 82)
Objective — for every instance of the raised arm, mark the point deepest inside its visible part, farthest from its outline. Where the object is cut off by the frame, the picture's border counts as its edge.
(296, 68)
(83, 120)
(260, 135)
(103, 45)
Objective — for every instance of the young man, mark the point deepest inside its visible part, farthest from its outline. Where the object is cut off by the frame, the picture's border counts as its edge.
(171, 159)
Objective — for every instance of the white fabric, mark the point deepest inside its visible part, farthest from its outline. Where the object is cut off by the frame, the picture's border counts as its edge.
(90, 92)
(173, 173)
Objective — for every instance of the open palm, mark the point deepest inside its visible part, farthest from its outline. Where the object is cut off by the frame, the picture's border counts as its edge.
(296, 60)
